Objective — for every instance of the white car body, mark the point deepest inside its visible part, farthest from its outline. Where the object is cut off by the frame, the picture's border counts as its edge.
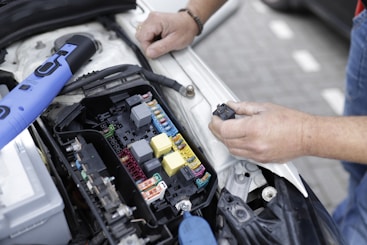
(184, 66)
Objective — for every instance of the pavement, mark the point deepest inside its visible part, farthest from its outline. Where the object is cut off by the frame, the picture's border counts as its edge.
(293, 60)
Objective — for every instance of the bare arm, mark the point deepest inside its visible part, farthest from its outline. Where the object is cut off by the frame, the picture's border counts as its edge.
(161, 33)
(272, 133)
(343, 138)
(205, 8)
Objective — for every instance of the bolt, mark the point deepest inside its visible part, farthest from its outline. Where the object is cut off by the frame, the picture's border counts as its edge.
(190, 91)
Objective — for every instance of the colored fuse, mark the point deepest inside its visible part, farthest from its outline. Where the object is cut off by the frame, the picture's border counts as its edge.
(202, 182)
(147, 97)
(108, 132)
(84, 175)
(176, 137)
(180, 145)
(193, 165)
(157, 115)
(199, 171)
(131, 164)
(179, 141)
(77, 164)
(124, 159)
(191, 159)
(155, 193)
(152, 103)
(150, 182)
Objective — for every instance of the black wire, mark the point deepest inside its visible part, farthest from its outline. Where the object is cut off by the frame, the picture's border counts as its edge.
(109, 22)
(162, 80)
(122, 71)
(100, 75)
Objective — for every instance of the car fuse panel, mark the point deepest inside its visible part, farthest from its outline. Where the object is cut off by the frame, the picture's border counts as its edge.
(134, 163)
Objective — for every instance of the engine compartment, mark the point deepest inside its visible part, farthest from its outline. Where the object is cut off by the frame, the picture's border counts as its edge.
(126, 155)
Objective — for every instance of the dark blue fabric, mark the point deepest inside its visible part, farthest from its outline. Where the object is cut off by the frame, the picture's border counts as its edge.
(351, 214)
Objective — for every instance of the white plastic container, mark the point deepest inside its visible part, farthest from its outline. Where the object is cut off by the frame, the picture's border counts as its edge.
(31, 209)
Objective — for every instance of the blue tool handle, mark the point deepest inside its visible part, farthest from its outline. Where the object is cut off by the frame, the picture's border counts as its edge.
(27, 101)
(195, 230)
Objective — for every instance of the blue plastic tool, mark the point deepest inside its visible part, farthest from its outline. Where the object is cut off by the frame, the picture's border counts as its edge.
(27, 101)
(194, 230)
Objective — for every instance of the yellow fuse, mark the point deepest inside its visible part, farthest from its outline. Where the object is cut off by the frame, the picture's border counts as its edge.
(161, 144)
(180, 145)
(172, 162)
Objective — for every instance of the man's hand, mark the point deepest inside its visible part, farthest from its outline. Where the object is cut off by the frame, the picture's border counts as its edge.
(161, 33)
(264, 132)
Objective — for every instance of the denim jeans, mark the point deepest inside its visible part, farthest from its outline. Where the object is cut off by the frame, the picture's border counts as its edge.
(351, 214)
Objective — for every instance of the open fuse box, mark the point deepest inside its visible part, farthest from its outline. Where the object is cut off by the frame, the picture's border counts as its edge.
(132, 162)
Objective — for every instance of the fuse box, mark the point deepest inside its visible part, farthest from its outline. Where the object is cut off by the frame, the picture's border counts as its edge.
(126, 151)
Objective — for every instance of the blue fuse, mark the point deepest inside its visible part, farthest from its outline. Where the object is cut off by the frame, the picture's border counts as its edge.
(194, 230)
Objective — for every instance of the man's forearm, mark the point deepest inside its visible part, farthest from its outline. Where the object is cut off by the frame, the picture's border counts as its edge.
(204, 8)
(343, 138)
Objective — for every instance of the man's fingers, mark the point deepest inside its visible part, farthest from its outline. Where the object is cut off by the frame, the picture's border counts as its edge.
(155, 44)
(161, 47)
(246, 108)
(214, 126)
(228, 129)
(145, 38)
